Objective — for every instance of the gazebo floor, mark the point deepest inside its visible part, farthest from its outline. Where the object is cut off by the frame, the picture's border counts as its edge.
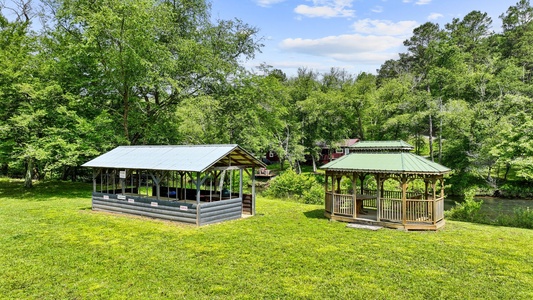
(370, 218)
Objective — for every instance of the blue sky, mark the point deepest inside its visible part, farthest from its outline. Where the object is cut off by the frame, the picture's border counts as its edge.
(355, 35)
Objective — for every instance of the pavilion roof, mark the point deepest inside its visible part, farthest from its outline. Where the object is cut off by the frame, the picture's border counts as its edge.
(385, 162)
(188, 158)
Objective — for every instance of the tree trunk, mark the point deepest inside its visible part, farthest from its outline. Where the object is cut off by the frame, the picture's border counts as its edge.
(125, 100)
(440, 130)
(298, 167)
(28, 183)
(507, 169)
(431, 138)
(314, 163)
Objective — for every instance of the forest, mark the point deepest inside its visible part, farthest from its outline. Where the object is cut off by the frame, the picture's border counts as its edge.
(101, 73)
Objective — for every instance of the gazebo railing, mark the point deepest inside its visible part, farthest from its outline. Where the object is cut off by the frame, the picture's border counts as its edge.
(343, 204)
(440, 209)
(329, 202)
(393, 194)
(391, 209)
(417, 210)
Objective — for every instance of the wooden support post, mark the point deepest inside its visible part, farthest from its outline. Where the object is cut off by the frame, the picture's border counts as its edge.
(181, 186)
(156, 180)
(95, 174)
(404, 199)
(240, 183)
(123, 181)
(426, 194)
(113, 186)
(378, 197)
(198, 189)
(362, 179)
(253, 191)
(434, 192)
(354, 197)
(333, 195)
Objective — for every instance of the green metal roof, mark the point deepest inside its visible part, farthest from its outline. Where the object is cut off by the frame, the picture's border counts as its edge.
(381, 145)
(385, 162)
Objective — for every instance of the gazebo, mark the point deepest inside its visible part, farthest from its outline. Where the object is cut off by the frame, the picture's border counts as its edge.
(192, 184)
(421, 209)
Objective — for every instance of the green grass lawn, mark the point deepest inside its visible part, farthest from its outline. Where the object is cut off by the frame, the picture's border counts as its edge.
(52, 246)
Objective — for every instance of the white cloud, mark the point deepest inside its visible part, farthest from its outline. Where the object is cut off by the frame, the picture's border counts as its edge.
(384, 27)
(354, 47)
(326, 9)
(377, 9)
(267, 3)
(434, 16)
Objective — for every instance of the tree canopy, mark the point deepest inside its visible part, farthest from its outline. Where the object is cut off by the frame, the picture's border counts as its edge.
(110, 72)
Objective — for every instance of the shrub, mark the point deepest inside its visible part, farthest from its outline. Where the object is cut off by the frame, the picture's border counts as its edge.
(469, 210)
(303, 188)
(521, 217)
(315, 195)
(517, 190)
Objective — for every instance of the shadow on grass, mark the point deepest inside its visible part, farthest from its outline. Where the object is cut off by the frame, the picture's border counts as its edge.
(315, 214)
(44, 190)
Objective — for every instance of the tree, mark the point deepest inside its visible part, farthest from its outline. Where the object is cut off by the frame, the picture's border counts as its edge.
(151, 55)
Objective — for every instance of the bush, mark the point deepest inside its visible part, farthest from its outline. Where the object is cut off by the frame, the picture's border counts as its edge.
(303, 188)
(469, 210)
(521, 217)
(517, 190)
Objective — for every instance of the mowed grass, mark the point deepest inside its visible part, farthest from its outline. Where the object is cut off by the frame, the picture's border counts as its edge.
(53, 246)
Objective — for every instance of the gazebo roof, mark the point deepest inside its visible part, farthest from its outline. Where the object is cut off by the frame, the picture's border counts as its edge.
(188, 158)
(385, 162)
(381, 145)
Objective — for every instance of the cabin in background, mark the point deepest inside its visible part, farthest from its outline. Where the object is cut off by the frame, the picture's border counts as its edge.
(327, 153)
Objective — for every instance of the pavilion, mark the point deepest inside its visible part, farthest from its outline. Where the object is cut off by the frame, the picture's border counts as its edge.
(379, 161)
(192, 184)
